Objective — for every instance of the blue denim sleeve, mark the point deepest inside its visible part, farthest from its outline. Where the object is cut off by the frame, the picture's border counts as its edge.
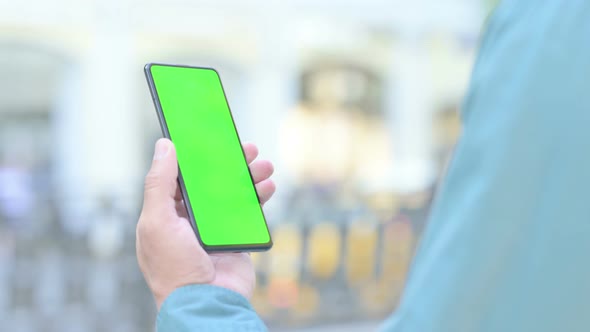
(507, 244)
(207, 308)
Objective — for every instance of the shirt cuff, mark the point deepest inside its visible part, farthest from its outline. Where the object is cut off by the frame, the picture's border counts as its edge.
(207, 308)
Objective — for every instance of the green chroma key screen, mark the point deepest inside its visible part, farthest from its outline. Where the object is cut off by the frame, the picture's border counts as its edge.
(221, 194)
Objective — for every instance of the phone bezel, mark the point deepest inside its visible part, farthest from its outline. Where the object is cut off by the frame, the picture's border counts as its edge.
(187, 203)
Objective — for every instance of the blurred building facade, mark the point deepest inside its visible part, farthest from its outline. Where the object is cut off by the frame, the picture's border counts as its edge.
(355, 102)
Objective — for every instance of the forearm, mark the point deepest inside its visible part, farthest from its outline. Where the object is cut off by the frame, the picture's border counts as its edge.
(207, 308)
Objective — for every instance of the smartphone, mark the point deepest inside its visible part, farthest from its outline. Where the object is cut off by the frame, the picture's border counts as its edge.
(215, 181)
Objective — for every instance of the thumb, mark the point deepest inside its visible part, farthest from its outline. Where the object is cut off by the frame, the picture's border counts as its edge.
(160, 182)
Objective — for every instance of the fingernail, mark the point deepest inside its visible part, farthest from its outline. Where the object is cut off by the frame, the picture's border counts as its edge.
(162, 148)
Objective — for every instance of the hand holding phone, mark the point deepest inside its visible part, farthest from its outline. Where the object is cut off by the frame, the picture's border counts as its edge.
(168, 252)
(215, 183)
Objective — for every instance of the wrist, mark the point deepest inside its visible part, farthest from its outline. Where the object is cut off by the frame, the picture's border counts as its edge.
(245, 290)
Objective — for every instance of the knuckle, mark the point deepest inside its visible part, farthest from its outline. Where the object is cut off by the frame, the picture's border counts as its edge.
(152, 181)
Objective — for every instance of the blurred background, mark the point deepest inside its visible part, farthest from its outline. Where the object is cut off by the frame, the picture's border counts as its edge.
(355, 101)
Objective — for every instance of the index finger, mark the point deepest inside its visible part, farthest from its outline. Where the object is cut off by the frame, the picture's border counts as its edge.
(251, 152)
